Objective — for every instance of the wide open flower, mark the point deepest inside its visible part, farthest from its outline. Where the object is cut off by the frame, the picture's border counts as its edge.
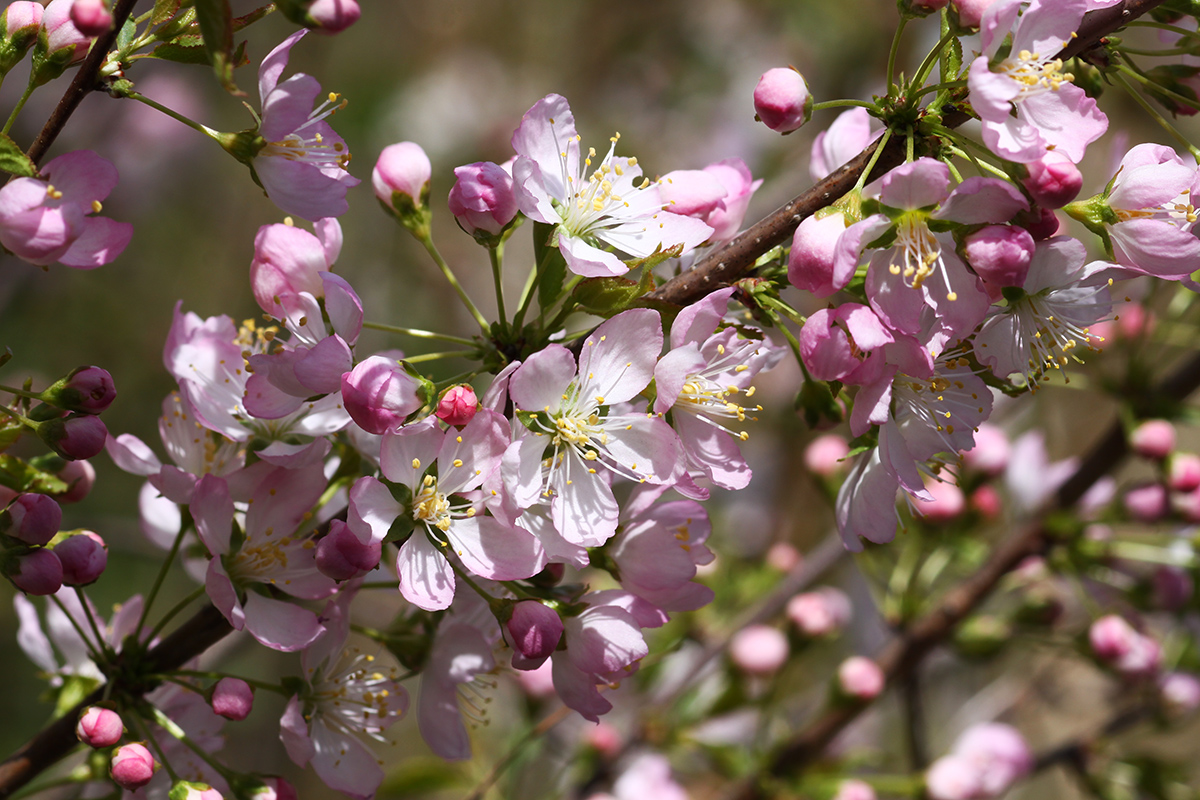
(346, 693)
(570, 413)
(1047, 318)
(302, 165)
(1051, 113)
(44, 221)
(607, 207)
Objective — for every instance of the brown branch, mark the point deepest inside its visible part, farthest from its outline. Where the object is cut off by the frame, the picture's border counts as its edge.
(85, 80)
(736, 258)
(203, 630)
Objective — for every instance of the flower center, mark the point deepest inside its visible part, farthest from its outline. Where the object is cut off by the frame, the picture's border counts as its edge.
(310, 147)
(1034, 75)
(431, 506)
(917, 253)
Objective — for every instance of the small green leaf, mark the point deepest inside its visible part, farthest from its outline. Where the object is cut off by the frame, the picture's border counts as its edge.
(14, 160)
(164, 10)
(607, 296)
(180, 54)
(22, 477)
(216, 25)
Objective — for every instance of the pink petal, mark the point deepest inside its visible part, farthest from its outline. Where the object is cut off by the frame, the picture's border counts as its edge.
(279, 624)
(491, 549)
(617, 360)
(426, 578)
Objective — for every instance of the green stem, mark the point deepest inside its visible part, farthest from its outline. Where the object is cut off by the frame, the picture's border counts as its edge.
(1141, 23)
(96, 649)
(417, 333)
(862, 179)
(180, 606)
(87, 612)
(496, 254)
(436, 356)
(24, 421)
(184, 525)
(20, 392)
(216, 676)
(175, 115)
(937, 87)
(1178, 51)
(431, 248)
(931, 58)
(892, 53)
(842, 104)
(149, 739)
(1122, 71)
(528, 292)
(169, 725)
(20, 104)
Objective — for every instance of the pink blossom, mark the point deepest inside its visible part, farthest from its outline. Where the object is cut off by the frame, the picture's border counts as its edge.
(302, 165)
(649, 776)
(739, 184)
(334, 16)
(380, 395)
(458, 405)
(781, 100)
(824, 455)
(991, 451)
(812, 263)
(659, 550)
(848, 136)
(232, 698)
(1147, 503)
(1130, 653)
(948, 502)
(1053, 180)
(84, 557)
(998, 753)
(1180, 692)
(1154, 438)
(758, 650)
(341, 555)
(459, 653)
(483, 199)
(401, 175)
(64, 43)
(55, 218)
(970, 12)
(1051, 113)
(834, 342)
(854, 790)
(99, 727)
(288, 260)
(1183, 472)
(860, 678)
(132, 766)
(607, 207)
(823, 612)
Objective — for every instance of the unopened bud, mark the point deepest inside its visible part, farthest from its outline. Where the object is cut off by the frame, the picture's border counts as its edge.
(1148, 503)
(948, 502)
(483, 200)
(825, 455)
(1180, 692)
(1053, 181)
(87, 390)
(187, 790)
(80, 477)
(36, 572)
(19, 26)
(1154, 438)
(379, 394)
(758, 650)
(341, 555)
(74, 437)
(823, 612)
(232, 698)
(84, 557)
(781, 100)
(132, 766)
(99, 727)
(860, 678)
(854, 790)
(458, 405)
(91, 17)
(31, 518)
(534, 631)
(401, 180)
(1000, 254)
(323, 16)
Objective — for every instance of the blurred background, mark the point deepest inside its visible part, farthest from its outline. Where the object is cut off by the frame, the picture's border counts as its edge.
(675, 78)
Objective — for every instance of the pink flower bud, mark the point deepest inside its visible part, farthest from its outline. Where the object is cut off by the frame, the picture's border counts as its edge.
(1154, 438)
(379, 395)
(781, 100)
(186, 790)
(970, 12)
(74, 437)
(534, 631)
(1000, 254)
(273, 788)
(860, 678)
(810, 262)
(604, 739)
(854, 790)
(334, 16)
(341, 556)
(1124, 649)
(726, 218)
(948, 502)
(758, 649)
(998, 752)
(1172, 587)
(36, 572)
(991, 451)
(84, 557)
(986, 502)
(691, 192)
(91, 17)
(483, 199)
(1180, 692)
(953, 778)
(823, 612)
(928, 6)
(232, 698)
(824, 455)
(1183, 472)
(1053, 181)
(87, 390)
(458, 405)
(783, 557)
(99, 727)
(61, 32)
(402, 169)
(1042, 223)
(538, 682)
(132, 766)
(19, 26)
(1148, 503)
(32, 518)
(80, 477)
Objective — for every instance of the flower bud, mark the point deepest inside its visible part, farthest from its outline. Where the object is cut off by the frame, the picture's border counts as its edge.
(1053, 181)
(1000, 254)
(60, 43)
(19, 27)
(860, 678)
(32, 518)
(1172, 587)
(132, 766)
(401, 179)
(811, 260)
(1147, 503)
(534, 631)
(948, 502)
(99, 727)
(1000, 754)
(232, 698)
(36, 572)
(1180, 692)
(952, 778)
(854, 790)
(823, 612)
(80, 477)
(970, 12)
(991, 451)
(604, 739)
(1183, 472)
(1154, 438)
(781, 100)
(1128, 652)
(783, 557)
(186, 790)
(323, 16)
(1042, 223)
(341, 556)
(458, 405)
(270, 788)
(84, 557)
(824, 455)
(379, 394)
(91, 17)
(986, 502)
(758, 650)
(87, 390)
(483, 199)
(74, 437)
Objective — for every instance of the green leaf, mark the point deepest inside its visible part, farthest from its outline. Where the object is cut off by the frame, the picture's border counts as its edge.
(216, 25)
(605, 297)
(22, 477)
(127, 35)
(418, 777)
(164, 10)
(180, 54)
(554, 275)
(14, 160)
